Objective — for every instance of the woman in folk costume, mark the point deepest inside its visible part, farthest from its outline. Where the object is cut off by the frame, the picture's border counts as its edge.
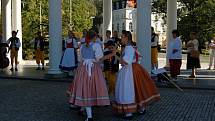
(69, 59)
(193, 62)
(89, 86)
(134, 87)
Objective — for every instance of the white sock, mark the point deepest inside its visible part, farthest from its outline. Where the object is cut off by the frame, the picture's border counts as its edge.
(89, 112)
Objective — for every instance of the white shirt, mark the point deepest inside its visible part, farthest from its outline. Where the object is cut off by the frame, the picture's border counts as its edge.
(177, 45)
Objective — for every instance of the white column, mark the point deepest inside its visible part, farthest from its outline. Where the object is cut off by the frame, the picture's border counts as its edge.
(6, 19)
(171, 23)
(55, 36)
(107, 17)
(17, 23)
(144, 32)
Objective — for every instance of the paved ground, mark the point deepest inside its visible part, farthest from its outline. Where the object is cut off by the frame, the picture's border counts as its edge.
(26, 100)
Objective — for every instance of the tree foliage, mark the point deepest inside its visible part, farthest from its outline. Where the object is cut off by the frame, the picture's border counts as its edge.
(193, 15)
(82, 12)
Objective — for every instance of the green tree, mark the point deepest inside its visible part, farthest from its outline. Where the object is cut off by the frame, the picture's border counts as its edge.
(193, 15)
(82, 14)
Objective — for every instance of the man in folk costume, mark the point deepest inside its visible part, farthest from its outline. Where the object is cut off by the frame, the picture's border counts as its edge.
(39, 45)
(154, 49)
(15, 44)
(134, 87)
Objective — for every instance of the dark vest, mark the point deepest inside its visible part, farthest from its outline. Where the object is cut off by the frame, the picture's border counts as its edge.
(42, 44)
(13, 41)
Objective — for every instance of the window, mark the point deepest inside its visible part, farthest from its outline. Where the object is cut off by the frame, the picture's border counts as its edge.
(123, 26)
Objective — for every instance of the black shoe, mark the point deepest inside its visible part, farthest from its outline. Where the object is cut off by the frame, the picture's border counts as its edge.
(142, 112)
(192, 76)
(16, 69)
(43, 68)
(11, 69)
(38, 68)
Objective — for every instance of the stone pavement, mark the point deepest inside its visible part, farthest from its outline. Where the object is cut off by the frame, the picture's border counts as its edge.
(26, 100)
(205, 78)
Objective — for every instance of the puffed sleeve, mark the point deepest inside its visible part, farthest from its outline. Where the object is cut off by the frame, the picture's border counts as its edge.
(98, 51)
(75, 44)
(128, 54)
(18, 44)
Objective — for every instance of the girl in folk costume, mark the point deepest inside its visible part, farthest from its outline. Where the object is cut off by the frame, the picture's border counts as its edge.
(69, 59)
(89, 86)
(134, 87)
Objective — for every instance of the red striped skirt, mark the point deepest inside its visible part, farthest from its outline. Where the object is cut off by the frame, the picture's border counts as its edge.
(89, 90)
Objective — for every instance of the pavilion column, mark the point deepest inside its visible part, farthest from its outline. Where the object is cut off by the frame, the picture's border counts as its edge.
(107, 17)
(144, 32)
(55, 33)
(17, 23)
(6, 19)
(171, 23)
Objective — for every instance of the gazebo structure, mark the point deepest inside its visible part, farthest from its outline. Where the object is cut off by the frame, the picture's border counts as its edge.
(11, 14)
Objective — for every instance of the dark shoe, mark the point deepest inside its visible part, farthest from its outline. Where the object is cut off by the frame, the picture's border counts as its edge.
(192, 76)
(38, 68)
(127, 117)
(142, 112)
(16, 69)
(89, 119)
(11, 69)
(43, 68)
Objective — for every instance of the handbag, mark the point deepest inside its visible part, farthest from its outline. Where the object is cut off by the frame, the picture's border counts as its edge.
(194, 53)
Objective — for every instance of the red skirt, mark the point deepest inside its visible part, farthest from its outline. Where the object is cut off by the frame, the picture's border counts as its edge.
(175, 65)
(88, 90)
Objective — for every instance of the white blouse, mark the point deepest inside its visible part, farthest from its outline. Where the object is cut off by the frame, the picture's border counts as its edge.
(195, 43)
(98, 50)
(128, 54)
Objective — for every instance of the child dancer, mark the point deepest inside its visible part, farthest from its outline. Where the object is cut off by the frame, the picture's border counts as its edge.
(134, 87)
(69, 59)
(111, 67)
(89, 86)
